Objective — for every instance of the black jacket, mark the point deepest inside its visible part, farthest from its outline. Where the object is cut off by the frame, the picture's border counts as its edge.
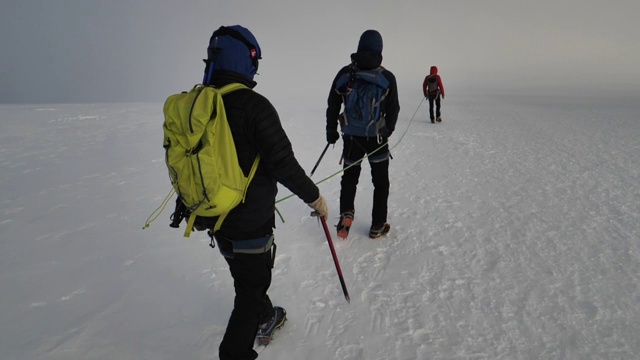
(391, 105)
(256, 128)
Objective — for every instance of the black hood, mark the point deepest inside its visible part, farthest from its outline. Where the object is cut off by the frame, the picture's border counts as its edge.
(366, 60)
(370, 40)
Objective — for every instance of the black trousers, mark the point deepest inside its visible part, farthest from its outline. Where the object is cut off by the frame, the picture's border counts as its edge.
(355, 148)
(251, 279)
(436, 100)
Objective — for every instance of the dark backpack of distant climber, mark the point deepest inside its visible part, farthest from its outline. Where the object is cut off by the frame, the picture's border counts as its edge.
(432, 85)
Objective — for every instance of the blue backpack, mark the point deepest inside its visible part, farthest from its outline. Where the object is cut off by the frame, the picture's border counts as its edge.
(363, 92)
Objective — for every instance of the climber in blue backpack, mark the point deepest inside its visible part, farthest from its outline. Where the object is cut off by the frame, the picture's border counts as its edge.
(364, 100)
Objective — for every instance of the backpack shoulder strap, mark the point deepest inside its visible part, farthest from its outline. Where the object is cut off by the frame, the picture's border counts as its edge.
(231, 87)
(225, 90)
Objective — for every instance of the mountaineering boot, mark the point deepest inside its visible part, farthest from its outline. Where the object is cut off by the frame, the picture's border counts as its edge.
(379, 230)
(433, 121)
(439, 119)
(344, 224)
(265, 331)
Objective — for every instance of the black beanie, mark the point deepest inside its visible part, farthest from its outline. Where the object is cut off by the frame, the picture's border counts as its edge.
(370, 40)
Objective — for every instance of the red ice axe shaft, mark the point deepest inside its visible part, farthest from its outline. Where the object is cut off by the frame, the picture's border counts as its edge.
(335, 258)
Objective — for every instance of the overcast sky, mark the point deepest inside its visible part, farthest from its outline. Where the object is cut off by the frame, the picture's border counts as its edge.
(75, 51)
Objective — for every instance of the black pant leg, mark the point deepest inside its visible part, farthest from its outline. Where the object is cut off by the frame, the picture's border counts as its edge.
(348, 187)
(431, 100)
(437, 106)
(380, 179)
(351, 153)
(252, 277)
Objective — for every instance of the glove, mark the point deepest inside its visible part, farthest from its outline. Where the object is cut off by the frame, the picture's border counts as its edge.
(385, 132)
(332, 136)
(320, 207)
(442, 96)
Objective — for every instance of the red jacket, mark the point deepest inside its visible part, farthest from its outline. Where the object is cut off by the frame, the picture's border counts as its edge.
(433, 72)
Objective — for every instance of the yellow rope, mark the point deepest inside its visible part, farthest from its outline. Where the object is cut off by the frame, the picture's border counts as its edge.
(154, 215)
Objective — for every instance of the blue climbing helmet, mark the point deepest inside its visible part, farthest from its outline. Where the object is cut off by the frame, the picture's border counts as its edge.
(234, 49)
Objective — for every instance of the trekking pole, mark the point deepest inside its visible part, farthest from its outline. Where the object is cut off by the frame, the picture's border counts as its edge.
(335, 258)
(318, 162)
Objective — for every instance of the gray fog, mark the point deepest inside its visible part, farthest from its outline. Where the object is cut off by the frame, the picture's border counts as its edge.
(79, 51)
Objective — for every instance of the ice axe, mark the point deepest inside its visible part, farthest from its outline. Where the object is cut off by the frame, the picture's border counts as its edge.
(318, 162)
(335, 258)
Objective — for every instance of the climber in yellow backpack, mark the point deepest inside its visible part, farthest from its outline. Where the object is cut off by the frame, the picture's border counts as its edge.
(225, 159)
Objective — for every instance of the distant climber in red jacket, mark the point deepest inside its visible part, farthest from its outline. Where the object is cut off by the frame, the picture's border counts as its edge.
(432, 89)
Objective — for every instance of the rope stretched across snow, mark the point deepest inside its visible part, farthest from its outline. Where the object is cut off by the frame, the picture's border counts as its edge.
(365, 156)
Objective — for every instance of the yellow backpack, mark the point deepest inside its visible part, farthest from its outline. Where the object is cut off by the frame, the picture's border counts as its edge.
(201, 154)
